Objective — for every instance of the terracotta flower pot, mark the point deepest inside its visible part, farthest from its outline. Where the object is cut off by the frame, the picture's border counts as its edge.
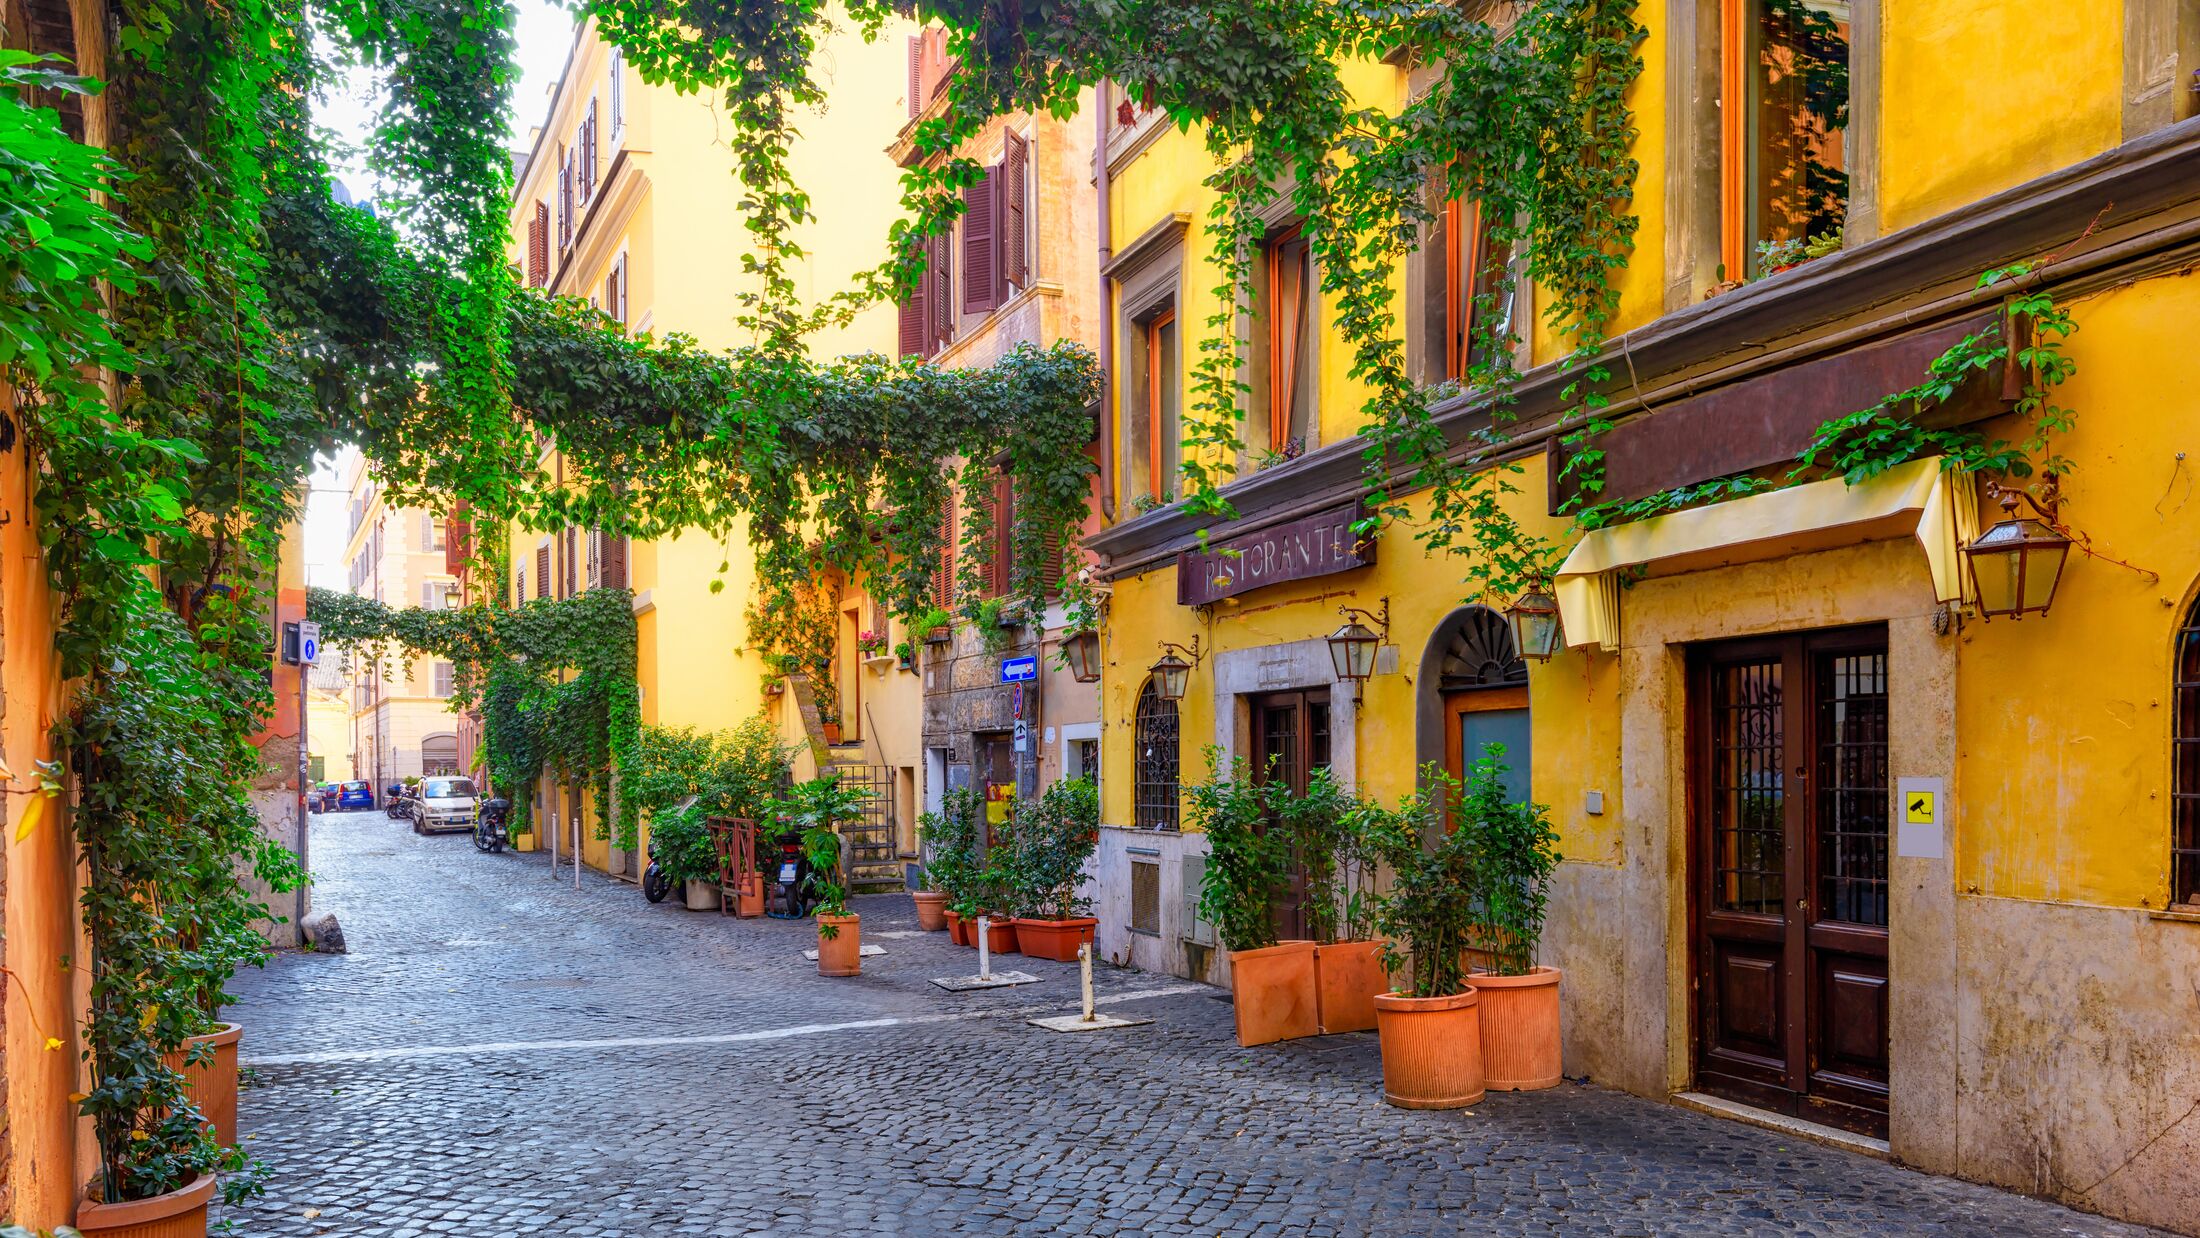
(180, 1213)
(1273, 992)
(749, 904)
(957, 931)
(1000, 936)
(1347, 976)
(842, 953)
(1432, 1050)
(1519, 1029)
(931, 910)
(1054, 939)
(212, 1084)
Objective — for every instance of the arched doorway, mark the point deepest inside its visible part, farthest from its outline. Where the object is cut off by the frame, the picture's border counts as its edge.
(439, 755)
(1474, 694)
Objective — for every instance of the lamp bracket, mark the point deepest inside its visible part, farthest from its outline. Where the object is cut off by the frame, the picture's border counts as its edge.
(1379, 618)
(1190, 652)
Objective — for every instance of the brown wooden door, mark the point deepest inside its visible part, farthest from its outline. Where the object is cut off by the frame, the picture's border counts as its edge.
(1788, 897)
(1290, 742)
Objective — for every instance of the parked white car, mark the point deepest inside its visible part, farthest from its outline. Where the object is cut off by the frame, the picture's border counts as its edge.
(443, 803)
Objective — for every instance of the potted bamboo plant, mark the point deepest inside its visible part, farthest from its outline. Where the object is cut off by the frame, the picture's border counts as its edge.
(817, 808)
(1429, 1025)
(1054, 837)
(1348, 968)
(1271, 982)
(1517, 851)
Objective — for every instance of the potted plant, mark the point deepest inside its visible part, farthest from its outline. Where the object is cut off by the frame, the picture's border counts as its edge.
(950, 841)
(680, 840)
(998, 902)
(1430, 1027)
(817, 808)
(1517, 851)
(1348, 967)
(905, 655)
(934, 627)
(1052, 840)
(1271, 982)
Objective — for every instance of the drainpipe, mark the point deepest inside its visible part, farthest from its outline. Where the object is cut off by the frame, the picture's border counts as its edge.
(1107, 308)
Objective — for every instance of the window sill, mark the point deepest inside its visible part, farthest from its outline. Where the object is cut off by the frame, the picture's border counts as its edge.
(2178, 915)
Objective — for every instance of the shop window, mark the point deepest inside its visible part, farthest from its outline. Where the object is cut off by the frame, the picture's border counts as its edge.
(1785, 149)
(1284, 336)
(2184, 847)
(1155, 789)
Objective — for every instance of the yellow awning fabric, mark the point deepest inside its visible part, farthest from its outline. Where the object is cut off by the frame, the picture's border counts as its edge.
(1916, 499)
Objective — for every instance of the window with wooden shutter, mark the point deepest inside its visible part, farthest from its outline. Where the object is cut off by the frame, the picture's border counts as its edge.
(915, 318)
(538, 247)
(542, 569)
(943, 572)
(981, 267)
(614, 562)
(916, 74)
(565, 200)
(595, 557)
(569, 577)
(588, 155)
(1015, 191)
(1001, 511)
(942, 298)
(618, 93)
(519, 592)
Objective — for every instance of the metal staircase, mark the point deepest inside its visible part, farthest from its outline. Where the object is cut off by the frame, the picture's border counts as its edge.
(873, 858)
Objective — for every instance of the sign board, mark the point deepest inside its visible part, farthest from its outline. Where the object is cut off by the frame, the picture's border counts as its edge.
(1020, 670)
(1023, 736)
(309, 643)
(1919, 831)
(1315, 545)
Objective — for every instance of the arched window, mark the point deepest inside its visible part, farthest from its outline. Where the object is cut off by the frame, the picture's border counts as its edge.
(1154, 787)
(2184, 840)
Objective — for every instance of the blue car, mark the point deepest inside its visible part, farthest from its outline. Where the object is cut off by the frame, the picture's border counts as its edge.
(354, 795)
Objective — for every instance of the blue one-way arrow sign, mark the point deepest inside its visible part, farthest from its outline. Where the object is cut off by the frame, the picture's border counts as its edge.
(1020, 670)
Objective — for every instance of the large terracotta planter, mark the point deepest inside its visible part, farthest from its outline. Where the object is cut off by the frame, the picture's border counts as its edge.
(1347, 976)
(212, 1084)
(178, 1214)
(1432, 1050)
(931, 910)
(1000, 936)
(1519, 1029)
(842, 953)
(702, 896)
(1054, 939)
(1273, 992)
(958, 929)
(749, 903)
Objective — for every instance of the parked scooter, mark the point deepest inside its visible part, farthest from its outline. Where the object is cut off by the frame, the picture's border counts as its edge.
(489, 824)
(656, 880)
(399, 805)
(791, 881)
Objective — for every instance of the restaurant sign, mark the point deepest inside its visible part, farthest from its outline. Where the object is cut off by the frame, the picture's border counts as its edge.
(1315, 545)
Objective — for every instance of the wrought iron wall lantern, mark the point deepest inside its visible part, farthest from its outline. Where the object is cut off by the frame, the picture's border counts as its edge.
(1535, 624)
(1173, 672)
(1352, 648)
(2016, 565)
(1081, 651)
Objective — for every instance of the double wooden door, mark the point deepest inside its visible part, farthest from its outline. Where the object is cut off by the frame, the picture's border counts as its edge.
(1788, 895)
(1290, 742)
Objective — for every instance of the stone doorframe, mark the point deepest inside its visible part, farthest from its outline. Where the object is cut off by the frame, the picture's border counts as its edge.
(1295, 665)
(1881, 582)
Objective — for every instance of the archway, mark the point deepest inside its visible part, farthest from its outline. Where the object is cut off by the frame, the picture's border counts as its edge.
(1473, 691)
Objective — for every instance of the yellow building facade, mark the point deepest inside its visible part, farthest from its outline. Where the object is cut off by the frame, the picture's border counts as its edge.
(1836, 845)
(626, 198)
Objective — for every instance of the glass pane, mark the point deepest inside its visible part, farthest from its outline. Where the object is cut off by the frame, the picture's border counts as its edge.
(1489, 307)
(1172, 416)
(1852, 788)
(1748, 791)
(1507, 728)
(1797, 58)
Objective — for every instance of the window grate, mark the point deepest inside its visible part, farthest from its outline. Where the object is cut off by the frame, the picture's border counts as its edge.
(1155, 788)
(2184, 843)
(1852, 787)
(1748, 794)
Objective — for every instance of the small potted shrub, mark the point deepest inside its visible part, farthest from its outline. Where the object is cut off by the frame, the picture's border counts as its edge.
(1348, 966)
(1517, 851)
(933, 627)
(1430, 1027)
(999, 901)
(817, 808)
(1271, 983)
(1053, 839)
(681, 843)
(950, 839)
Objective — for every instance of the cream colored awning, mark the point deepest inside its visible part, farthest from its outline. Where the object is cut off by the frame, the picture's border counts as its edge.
(1916, 499)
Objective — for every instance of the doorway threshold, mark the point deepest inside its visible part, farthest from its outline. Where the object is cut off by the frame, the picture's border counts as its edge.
(1765, 1119)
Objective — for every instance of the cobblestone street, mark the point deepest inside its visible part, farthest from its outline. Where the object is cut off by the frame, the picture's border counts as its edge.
(502, 1055)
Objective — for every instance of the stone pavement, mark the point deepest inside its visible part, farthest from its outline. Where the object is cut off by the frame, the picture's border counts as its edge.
(501, 1055)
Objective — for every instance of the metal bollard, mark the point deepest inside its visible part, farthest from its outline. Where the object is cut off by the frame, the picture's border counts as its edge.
(985, 950)
(1084, 967)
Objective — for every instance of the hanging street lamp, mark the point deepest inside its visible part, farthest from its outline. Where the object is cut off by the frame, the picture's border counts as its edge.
(1535, 624)
(2016, 565)
(1173, 673)
(1352, 648)
(1082, 651)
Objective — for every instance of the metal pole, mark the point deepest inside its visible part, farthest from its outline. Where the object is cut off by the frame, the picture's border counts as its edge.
(1084, 968)
(305, 828)
(985, 952)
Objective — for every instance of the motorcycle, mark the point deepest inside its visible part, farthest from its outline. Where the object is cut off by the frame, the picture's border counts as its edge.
(792, 880)
(399, 805)
(489, 824)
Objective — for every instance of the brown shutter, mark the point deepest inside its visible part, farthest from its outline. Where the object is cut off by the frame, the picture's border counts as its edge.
(942, 298)
(538, 247)
(612, 303)
(614, 563)
(588, 160)
(542, 571)
(915, 315)
(1001, 511)
(569, 579)
(595, 557)
(916, 74)
(1015, 172)
(943, 572)
(458, 534)
(1050, 567)
(981, 247)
